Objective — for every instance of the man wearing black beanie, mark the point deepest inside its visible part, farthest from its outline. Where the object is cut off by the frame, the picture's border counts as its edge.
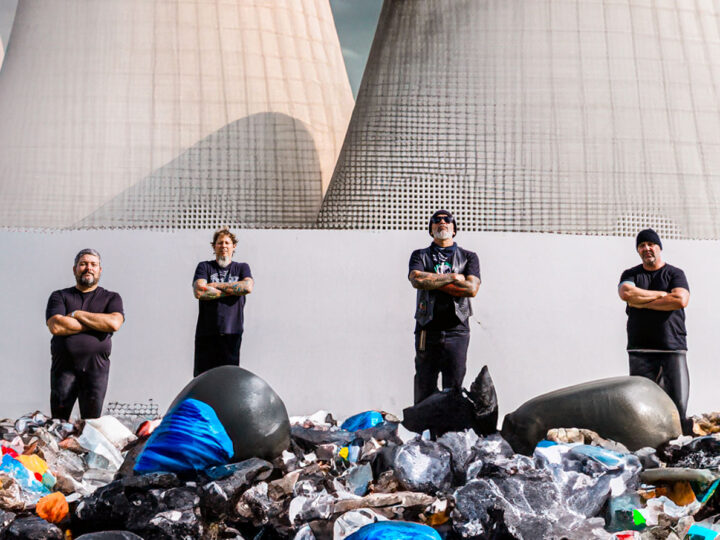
(656, 294)
(446, 276)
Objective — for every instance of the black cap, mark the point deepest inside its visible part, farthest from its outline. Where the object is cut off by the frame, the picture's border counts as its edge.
(648, 235)
(443, 213)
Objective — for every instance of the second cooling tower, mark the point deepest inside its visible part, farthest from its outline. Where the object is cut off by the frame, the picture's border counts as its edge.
(592, 117)
(170, 113)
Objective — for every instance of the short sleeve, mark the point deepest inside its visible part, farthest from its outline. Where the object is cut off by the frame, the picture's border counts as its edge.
(55, 305)
(245, 271)
(201, 272)
(416, 262)
(473, 265)
(115, 305)
(627, 277)
(678, 279)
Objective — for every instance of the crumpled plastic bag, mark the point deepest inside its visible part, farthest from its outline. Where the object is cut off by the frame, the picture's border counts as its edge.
(53, 508)
(190, 437)
(395, 530)
(422, 465)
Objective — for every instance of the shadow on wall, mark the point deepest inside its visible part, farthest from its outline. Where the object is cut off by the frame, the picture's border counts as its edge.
(259, 171)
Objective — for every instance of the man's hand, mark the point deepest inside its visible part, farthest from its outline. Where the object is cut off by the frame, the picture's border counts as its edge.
(101, 322)
(235, 288)
(205, 291)
(64, 325)
(430, 281)
(466, 287)
(639, 298)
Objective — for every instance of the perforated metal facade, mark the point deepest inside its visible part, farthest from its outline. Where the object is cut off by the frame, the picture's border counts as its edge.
(170, 113)
(569, 116)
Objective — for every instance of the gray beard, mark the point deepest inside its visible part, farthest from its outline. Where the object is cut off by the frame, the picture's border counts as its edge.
(223, 262)
(442, 235)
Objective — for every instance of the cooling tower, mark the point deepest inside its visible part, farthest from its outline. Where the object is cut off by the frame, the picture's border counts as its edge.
(593, 117)
(170, 113)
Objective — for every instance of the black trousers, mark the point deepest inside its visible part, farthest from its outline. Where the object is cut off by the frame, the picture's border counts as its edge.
(669, 370)
(215, 351)
(85, 385)
(439, 352)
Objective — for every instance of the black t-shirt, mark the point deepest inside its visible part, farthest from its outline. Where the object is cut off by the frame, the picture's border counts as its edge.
(653, 330)
(223, 315)
(444, 317)
(81, 350)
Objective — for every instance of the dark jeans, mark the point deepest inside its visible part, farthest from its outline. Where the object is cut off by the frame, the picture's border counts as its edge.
(439, 352)
(669, 370)
(87, 386)
(215, 351)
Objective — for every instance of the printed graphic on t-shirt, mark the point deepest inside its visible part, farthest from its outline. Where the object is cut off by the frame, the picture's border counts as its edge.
(441, 266)
(222, 277)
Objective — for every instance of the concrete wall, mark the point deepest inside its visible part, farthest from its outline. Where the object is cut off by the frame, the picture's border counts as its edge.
(329, 324)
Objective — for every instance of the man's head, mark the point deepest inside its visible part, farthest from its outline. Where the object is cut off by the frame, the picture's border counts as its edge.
(224, 244)
(440, 225)
(649, 246)
(87, 268)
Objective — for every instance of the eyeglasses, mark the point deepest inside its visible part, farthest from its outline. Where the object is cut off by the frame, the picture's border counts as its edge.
(441, 219)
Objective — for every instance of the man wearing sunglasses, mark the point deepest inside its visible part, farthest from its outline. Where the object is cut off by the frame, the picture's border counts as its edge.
(446, 276)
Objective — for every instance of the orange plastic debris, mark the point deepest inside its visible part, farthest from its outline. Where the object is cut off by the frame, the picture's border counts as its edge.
(53, 508)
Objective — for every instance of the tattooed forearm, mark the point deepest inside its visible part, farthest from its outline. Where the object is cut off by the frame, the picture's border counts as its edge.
(430, 281)
(204, 291)
(236, 288)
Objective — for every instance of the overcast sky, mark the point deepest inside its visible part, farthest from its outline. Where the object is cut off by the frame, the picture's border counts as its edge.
(355, 21)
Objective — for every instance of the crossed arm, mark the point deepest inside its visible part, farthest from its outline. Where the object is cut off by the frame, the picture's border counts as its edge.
(636, 297)
(210, 291)
(453, 284)
(82, 321)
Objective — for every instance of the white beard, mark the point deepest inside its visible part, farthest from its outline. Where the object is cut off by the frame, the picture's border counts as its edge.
(442, 235)
(223, 261)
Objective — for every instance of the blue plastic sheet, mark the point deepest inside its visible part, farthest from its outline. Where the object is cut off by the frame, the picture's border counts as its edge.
(363, 420)
(395, 530)
(189, 437)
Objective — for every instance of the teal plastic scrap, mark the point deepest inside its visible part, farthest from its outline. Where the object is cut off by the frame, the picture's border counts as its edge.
(698, 532)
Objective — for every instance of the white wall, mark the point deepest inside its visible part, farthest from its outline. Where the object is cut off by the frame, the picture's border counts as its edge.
(329, 324)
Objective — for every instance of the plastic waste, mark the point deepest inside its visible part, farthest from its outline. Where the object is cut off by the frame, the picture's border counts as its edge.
(37, 465)
(53, 508)
(363, 420)
(349, 522)
(395, 530)
(113, 430)
(697, 453)
(357, 479)
(102, 453)
(422, 466)
(351, 452)
(189, 437)
(252, 414)
(649, 417)
(624, 513)
(33, 489)
(456, 410)
(304, 533)
(32, 527)
(109, 535)
(698, 532)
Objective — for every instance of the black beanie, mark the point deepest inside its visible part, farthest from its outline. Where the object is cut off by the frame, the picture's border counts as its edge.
(648, 235)
(443, 213)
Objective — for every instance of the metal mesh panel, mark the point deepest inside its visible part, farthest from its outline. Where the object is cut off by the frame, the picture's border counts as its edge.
(170, 113)
(569, 116)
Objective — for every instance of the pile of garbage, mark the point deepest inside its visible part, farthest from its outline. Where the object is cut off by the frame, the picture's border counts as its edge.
(335, 480)
(226, 461)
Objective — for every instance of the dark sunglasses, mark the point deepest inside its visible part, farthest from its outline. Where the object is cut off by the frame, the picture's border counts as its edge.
(441, 219)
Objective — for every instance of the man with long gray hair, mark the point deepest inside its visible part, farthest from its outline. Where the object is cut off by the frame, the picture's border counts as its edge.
(82, 320)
